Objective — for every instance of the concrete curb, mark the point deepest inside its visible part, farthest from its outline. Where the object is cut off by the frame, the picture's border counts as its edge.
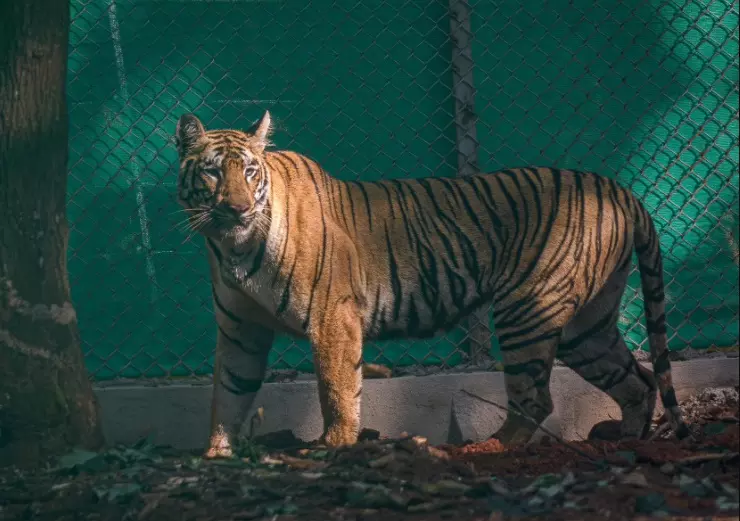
(432, 406)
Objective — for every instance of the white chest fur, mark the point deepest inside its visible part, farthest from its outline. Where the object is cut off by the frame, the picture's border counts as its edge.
(254, 274)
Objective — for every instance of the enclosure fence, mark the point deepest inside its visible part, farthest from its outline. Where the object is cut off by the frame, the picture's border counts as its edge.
(644, 91)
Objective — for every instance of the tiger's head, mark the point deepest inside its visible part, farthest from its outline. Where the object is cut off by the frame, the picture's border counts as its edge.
(224, 181)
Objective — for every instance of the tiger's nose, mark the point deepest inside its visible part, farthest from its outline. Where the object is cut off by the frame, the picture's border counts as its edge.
(238, 209)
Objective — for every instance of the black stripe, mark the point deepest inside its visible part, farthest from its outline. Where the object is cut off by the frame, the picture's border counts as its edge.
(597, 327)
(242, 385)
(222, 308)
(395, 279)
(259, 256)
(236, 341)
(606, 381)
(662, 364)
(507, 345)
(321, 257)
(537, 369)
(669, 399)
(376, 310)
(656, 295)
(368, 208)
(383, 186)
(353, 211)
(657, 326)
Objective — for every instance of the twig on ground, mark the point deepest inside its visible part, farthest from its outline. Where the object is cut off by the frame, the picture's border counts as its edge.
(255, 421)
(703, 458)
(547, 431)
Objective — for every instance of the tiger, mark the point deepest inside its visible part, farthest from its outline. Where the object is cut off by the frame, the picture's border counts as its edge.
(293, 250)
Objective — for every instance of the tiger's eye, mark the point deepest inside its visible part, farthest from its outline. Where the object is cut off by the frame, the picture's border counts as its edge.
(213, 172)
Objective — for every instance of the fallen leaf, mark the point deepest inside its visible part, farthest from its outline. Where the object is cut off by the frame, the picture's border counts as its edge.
(627, 455)
(382, 461)
(714, 428)
(301, 464)
(117, 492)
(82, 460)
(649, 503)
(374, 496)
(446, 487)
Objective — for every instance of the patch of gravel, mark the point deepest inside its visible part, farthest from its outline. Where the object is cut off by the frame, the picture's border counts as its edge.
(716, 403)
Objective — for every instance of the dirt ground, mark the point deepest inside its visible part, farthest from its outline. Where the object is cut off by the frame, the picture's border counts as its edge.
(280, 479)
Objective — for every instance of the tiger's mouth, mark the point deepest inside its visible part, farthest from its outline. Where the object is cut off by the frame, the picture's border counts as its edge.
(219, 225)
(239, 228)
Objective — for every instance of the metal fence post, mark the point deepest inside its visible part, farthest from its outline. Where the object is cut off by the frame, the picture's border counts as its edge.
(479, 332)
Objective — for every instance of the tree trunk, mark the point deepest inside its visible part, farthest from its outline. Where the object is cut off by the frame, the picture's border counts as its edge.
(46, 400)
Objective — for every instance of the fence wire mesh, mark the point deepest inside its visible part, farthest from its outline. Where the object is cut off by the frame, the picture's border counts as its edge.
(646, 92)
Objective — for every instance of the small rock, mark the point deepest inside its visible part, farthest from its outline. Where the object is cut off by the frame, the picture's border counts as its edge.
(668, 468)
(312, 475)
(412, 444)
(368, 435)
(438, 453)
(635, 478)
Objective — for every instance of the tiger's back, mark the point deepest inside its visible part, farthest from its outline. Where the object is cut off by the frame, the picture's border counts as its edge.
(342, 262)
(441, 247)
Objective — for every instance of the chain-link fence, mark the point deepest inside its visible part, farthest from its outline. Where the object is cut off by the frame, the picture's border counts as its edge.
(644, 91)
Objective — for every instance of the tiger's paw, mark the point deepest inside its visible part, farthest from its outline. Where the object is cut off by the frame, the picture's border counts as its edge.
(219, 446)
(339, 436)
(219, 453)
(510, 435)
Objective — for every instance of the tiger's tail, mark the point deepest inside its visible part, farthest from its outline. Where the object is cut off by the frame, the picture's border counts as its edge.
(650, 261)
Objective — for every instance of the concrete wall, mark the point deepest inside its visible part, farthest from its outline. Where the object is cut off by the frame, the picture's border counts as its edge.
(178, 414)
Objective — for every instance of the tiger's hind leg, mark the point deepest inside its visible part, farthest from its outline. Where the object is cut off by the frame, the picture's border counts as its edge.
(528, 392)
(528, 355)
(593, 347)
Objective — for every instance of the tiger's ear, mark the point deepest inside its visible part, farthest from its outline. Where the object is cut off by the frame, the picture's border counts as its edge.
(263, 131)
(189, 130)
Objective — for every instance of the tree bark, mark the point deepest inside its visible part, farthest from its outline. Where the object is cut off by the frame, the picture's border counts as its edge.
(46, 399)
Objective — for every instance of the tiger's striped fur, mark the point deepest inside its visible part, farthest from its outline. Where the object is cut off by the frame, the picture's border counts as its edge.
(337, 262)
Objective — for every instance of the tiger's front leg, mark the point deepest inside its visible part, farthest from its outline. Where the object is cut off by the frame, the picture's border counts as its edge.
(241, 362)
(337, 347)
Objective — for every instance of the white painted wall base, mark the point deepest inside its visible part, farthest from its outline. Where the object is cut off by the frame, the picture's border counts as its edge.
(178, 414)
